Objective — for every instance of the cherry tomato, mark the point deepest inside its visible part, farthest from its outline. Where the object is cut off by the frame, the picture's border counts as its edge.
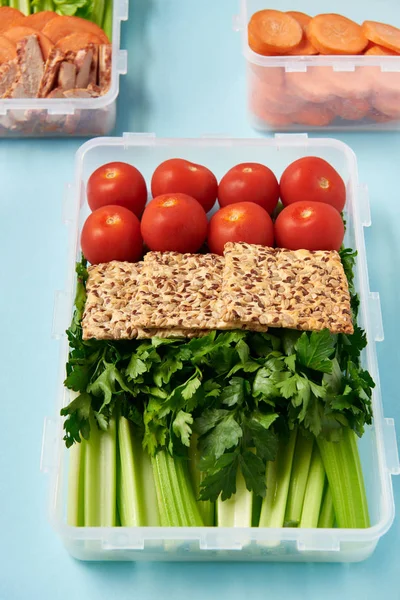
(249, 182)
(174, 222)
(181, 176)
(119, 184)
(312, 179)
(111, 233)
(240, 222)
(309, 226)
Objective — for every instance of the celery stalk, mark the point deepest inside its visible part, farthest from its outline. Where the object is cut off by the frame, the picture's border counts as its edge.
(100, 476)
(327, 514)
(206, 508)
(151, 514)
(237, 510)
(343, 469)
(75, 512)
(314, 491)
(97, 13)
(130, 497)
(175, 496)
(23, 5)
(108, 19)
(278, 479)
(298, 480)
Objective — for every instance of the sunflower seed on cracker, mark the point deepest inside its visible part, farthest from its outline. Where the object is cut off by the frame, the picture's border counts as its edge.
(284, 288)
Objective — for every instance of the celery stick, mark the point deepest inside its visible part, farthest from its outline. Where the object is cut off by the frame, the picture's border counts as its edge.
(277, 479)
(75, 511)
(97, 13)
(206, 508)
(100, 476)
(343, 469)
(314, 491)
(176, 502)
(108, 19)
(151, 514)
(256, 510)
(130, 497)
(298, 480)
(23, 5)
(237, 510)
(327, 514)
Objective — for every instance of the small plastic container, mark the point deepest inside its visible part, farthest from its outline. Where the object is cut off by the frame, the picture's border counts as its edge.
(378, 447)
(62, 117)
(293, 93)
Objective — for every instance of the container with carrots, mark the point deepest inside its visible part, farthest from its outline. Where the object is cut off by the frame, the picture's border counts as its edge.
(58, 75)
(321, 70)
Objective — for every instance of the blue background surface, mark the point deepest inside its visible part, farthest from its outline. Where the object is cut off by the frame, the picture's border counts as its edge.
(179, 84)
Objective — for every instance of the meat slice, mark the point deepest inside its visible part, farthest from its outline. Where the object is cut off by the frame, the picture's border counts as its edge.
(8, 74)
(51, 71)
(56, 93)
(30, 67)
(83, 63)
(105, 67)
(81, 93)
(67, 76)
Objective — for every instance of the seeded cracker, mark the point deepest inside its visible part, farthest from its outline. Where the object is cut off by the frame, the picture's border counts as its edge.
(181, 291)
(284, 288)
(111, 289)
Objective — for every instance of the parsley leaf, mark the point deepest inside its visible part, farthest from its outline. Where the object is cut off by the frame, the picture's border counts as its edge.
(224, 436)
(182, 427)
(314, 350)
(77, 423)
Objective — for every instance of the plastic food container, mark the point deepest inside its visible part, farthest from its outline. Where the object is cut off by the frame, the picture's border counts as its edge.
(291, 93)
(378, 447)
(54, 117)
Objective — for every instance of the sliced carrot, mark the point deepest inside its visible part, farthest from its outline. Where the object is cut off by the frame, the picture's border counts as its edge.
(351, 84)
(305, 48)
(7, 50)
(376, 50)
(256, 44)
(274, 76)
(386, 83)
(274, 31)
(387, 104)
(77, 41)
(311, 86)
(276, 99)
(39, 20)
(350, 109)
(9, 17)
(334, 34)
(314, 115)
(60, 27)
(16, 34)
(382, 34)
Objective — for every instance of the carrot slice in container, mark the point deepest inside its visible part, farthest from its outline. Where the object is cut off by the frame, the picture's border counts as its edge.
(275, 32)
(9, 17)
(272, 75)
(382, 34)
(387, 104)
(60, 27)
(256, 45)
(350, 109)
(311, 86)
(276, 99)
(314, 115)
(305, 48)
(7, 50)
(351, 84)
(376, 50)
(386, 83)
(334, 34)
(16, 34)
(77, 41)
(39, 20)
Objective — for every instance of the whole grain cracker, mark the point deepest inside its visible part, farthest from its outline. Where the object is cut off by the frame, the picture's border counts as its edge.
(284, 288)
(111, 290)
(181, 291)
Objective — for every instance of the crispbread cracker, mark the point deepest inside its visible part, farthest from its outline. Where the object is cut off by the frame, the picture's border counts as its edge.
(181, 291)
(145, 334)
(111, 289)
(284, 288)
